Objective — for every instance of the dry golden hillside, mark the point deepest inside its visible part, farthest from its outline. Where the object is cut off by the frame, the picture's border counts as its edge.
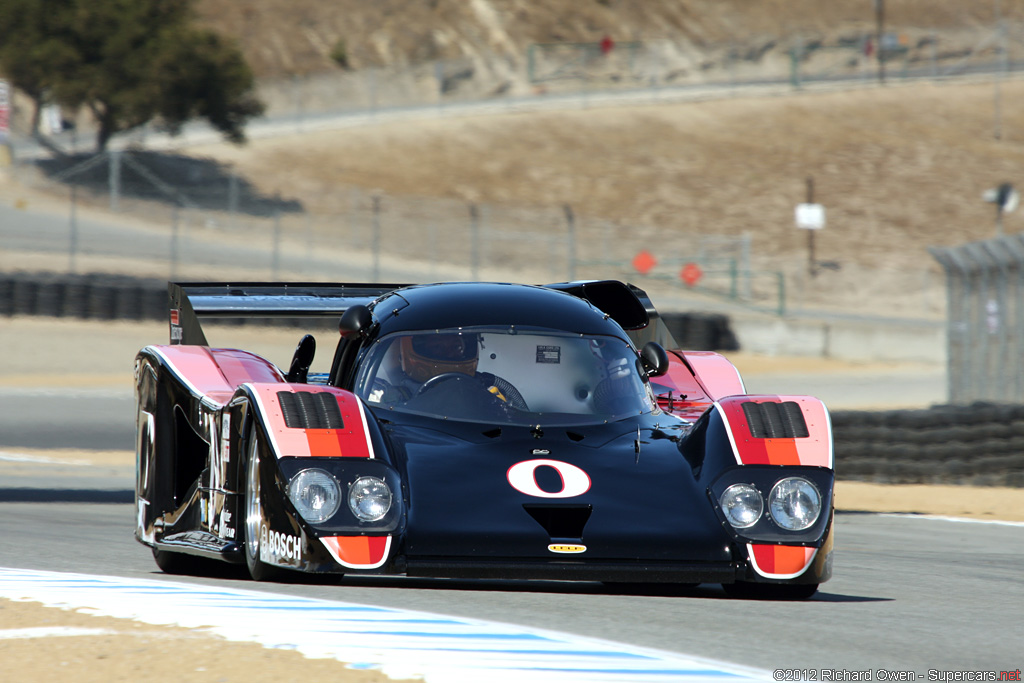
(898, 168)
(289, 37)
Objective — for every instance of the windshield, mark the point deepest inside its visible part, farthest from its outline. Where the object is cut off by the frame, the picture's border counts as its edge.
(506, 376)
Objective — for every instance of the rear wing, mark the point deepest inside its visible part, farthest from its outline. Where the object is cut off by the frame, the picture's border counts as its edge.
(191, 301)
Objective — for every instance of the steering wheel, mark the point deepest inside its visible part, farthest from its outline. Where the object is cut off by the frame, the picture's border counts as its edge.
(438, 379)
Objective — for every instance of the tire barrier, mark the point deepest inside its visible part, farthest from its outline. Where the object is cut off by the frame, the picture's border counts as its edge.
(97, 296)
(701, 331)
(93, 296)
(980, 444)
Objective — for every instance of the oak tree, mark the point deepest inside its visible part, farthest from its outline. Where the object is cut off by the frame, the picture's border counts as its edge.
(128, 62)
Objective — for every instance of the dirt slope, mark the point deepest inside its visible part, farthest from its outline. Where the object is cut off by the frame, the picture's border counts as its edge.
(288, 37)
(898, 169)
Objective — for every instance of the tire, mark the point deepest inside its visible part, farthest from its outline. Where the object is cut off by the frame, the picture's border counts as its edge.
(258, 570)
(745, 590)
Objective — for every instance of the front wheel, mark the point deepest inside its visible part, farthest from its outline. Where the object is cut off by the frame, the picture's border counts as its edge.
(258, 570)
(746, 590)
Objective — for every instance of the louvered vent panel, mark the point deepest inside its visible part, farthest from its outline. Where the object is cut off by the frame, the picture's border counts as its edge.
(309, 410)
(775, 420)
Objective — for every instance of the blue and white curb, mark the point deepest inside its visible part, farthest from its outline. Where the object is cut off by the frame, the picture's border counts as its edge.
(399, 643)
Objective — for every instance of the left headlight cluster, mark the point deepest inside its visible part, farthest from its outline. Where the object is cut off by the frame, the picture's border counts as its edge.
(317, 496)
(794, 503)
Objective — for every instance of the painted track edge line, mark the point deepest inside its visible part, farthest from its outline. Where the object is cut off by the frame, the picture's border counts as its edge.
(946, 518)
(239, 613)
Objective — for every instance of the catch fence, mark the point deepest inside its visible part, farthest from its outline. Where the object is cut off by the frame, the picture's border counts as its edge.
(199, 220)
(985, 292)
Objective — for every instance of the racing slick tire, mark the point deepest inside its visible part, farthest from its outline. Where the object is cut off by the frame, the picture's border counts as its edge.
(746, 590)
(258, 570)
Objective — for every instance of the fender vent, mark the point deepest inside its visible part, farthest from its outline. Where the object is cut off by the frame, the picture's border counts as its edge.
(309, 410)
(775, 420)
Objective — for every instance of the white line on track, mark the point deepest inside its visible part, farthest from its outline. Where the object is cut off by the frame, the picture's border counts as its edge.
(942, 518)
(400, 643)
(7, 456)
(51, 632)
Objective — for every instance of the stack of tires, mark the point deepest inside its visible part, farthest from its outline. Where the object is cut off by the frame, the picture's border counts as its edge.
(979, 444)
(89, 296)
(701, 331)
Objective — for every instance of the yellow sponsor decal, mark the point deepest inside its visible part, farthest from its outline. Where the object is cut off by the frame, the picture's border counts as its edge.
(567, 548)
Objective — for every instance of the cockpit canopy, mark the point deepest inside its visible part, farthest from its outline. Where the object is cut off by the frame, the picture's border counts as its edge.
(505, 375)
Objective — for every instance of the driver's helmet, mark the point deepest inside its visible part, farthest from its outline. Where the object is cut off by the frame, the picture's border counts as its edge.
(429, 355)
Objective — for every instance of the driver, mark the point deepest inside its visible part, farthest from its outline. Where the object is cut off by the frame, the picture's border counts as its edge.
(423, 357)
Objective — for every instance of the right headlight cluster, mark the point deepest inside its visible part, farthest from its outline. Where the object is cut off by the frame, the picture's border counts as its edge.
(317, 496)
(794, 504)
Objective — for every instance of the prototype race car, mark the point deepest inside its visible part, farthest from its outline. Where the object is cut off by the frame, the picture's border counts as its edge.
(476, 430)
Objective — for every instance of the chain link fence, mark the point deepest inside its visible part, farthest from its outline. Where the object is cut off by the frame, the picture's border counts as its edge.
(985, 292)
(198, 219)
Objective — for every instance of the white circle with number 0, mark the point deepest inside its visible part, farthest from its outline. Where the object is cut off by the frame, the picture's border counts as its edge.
(575, 482)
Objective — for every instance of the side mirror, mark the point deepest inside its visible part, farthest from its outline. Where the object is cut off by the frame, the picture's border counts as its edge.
(355, 321)
(298, 373)
(654, 359)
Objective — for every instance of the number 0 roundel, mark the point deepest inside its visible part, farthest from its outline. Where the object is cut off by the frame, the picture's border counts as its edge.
(575, 482)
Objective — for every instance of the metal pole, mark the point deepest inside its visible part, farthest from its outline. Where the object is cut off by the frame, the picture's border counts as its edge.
(309, 243)
(745, 266)
(73, 245)
(233, 199)
(376, 239)
(432, 230)
(1000, 75)
(174, 243)
(812, 263)
(114, 179)
(275, 257)
(781, 279)
(796, 56)
(880, 32)
(474, 228)
(570, 221)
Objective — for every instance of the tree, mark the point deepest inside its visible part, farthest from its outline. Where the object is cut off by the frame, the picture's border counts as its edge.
(35, 42)
(128, 62)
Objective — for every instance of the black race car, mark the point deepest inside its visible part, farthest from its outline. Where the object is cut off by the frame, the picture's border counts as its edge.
(476, 430)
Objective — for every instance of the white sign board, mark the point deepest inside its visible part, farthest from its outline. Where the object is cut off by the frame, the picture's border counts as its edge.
(1008, 199)
(810, 216)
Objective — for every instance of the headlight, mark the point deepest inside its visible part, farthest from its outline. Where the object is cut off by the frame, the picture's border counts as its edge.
(369, 498)
(742, 505)
(315, 494)
(794, 503)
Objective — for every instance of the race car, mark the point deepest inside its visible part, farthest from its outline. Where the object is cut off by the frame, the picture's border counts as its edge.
(476, 430)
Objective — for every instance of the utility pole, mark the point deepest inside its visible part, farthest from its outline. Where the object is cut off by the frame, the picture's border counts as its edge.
(879, 34)
(812, 261)
(997, 108)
